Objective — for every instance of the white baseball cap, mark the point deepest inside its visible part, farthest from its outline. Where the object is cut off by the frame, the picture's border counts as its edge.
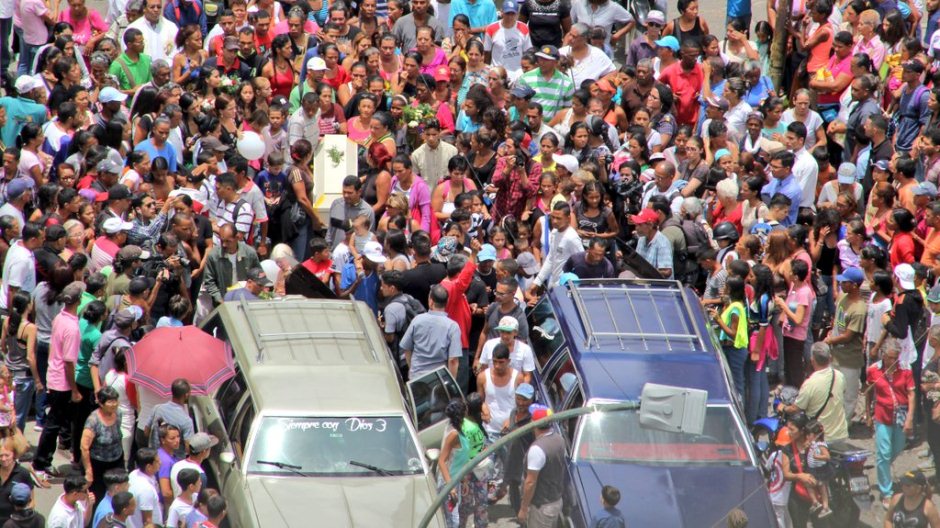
(113, 226)
(373, 252)
(317, 64)
(27, 83)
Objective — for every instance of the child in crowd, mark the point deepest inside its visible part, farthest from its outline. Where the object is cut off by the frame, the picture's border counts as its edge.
(817, 459)
(610, 516)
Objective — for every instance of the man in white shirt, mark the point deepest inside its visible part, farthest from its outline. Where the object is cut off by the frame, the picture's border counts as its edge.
(146, 489)
(19, 194)
(303, 124)
(563, 242)
(506, 39)
(521, 357)
(431, 158)
(603, 13)
(199, 446)
(805, 168)
(19, 266)
(587, 61)
(159, 33)
(73, 508)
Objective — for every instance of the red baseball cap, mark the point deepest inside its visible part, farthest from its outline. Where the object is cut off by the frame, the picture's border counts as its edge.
(442, 74)
(646, 216)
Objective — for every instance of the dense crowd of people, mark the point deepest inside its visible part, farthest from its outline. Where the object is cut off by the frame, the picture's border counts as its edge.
(158, 161)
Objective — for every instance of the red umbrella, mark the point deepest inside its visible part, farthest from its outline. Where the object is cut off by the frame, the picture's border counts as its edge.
(169, 353)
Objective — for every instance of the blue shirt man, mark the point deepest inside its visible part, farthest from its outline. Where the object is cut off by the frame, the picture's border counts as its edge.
(781, 168)
(166, 151)
(480, 12)
(186, 12)
(21, 109)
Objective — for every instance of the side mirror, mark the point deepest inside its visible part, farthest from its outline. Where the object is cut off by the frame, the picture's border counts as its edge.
(432, 454)
(227, 457)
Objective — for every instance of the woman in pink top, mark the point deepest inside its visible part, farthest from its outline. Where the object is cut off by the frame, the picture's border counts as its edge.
(869, 41)
(817, 43)
(432, 55)
(357, 128)
(795, 318)
(88, 27)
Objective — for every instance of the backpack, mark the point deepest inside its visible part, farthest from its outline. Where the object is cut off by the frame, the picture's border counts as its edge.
(696, 241)
(412, 309)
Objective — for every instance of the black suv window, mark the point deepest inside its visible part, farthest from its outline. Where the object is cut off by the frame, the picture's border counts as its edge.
(561, 380)
(544, 333)
(238, 434)
(430, 394)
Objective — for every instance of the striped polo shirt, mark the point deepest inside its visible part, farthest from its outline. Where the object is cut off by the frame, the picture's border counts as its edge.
(553, 94)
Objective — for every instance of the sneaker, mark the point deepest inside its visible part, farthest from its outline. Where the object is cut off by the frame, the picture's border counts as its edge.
(41, 479)
(824, 512)
(815, 508)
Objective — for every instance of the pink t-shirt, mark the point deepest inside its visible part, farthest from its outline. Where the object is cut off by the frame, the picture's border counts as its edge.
(440, 58)
(63, 347)
(34, 28)
(82, 29)
(802, 295)
(837, 67)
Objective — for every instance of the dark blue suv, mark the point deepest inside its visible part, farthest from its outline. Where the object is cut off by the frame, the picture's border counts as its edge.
(602, 340)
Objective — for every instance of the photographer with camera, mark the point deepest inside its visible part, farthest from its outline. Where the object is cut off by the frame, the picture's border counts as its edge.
(171, 271)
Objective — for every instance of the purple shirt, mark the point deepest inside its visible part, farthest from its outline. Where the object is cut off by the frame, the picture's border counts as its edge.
(63, 348)
(419, 198)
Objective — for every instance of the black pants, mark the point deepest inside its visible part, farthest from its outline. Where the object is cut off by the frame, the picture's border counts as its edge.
(80, 412)
(793, 366)
(98, 469)
(58, 419)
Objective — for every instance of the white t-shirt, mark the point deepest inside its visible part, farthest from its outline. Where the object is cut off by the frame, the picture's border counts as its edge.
(19, 271)
(521, 357)
(507, 45)
(536, 457)
(178, 511)
(28, 160)
(131, 179)
(813, 122)
(147, 492)
(596, 65)
(179, 466)
(64, 516)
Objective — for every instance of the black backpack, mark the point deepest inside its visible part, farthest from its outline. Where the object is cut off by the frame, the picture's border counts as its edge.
(412, 309)
(696, 241)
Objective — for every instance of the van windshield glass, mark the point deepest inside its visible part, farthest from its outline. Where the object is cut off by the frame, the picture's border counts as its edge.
(334, 446)
(618, 437)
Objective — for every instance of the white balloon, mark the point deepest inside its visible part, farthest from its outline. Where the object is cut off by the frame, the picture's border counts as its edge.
(251, 146)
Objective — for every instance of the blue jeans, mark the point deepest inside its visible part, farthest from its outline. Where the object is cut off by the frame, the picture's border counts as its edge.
(758, 392)
(889, 442)
(27, 55)
(299, 243)
(736, 358)
(6, 48)
(25, 390)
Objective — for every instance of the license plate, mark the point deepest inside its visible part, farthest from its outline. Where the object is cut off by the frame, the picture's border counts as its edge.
(859, 485)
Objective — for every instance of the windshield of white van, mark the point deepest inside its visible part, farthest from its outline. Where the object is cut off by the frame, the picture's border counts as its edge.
(334, 446)
(618, 437)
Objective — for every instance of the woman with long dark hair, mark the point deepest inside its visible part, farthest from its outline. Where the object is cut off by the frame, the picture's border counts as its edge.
(18, 344)
(463, 440)
(298, 222)
(34, 163)
(280, 69)
(660, 101)
(902, 249)
(474, 107)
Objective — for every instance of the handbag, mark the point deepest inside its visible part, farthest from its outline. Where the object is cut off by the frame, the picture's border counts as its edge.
(798, 486)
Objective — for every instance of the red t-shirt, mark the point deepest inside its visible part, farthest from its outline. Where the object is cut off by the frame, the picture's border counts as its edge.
(902, 249)
(264, 41)
(719, 216)
(889, 392)
(686, 86)
(323, 269)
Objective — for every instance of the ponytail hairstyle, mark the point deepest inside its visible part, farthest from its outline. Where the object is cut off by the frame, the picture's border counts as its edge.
(455, 412)
(29, 133)
(21, 302)
(300, 150)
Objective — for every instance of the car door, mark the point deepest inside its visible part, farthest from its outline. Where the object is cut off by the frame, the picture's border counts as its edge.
(232, 484)
(428, 396)
(216, 415)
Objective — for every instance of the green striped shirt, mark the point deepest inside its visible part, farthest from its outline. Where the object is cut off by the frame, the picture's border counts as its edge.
(553, 94)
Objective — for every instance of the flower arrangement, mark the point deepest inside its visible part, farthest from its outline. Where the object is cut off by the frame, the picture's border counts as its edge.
(336, 155)
(229, 84)
(415, 115)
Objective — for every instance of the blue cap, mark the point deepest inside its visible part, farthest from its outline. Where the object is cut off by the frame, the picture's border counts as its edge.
(21, 494)
(509, 6)
(18, 186)
(487, 253)
(669, 42)
(925, 188)
(852, 274)
(526, 391)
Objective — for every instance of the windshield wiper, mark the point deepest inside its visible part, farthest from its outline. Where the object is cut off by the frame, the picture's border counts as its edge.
(282, 465)
(380, 471)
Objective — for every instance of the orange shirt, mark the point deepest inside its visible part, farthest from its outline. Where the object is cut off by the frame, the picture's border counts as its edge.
(906, 196)
(931, 255)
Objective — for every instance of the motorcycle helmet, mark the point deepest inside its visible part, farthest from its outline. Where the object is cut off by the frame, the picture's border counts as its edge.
(725, 231)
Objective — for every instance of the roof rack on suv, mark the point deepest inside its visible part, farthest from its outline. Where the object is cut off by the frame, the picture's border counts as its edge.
(261, 337)
(638, 312)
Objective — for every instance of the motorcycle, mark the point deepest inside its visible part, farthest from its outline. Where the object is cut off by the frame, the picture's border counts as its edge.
(849, 488)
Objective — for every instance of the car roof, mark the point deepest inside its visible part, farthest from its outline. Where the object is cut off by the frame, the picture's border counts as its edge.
(623, 333)
(301, 354)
